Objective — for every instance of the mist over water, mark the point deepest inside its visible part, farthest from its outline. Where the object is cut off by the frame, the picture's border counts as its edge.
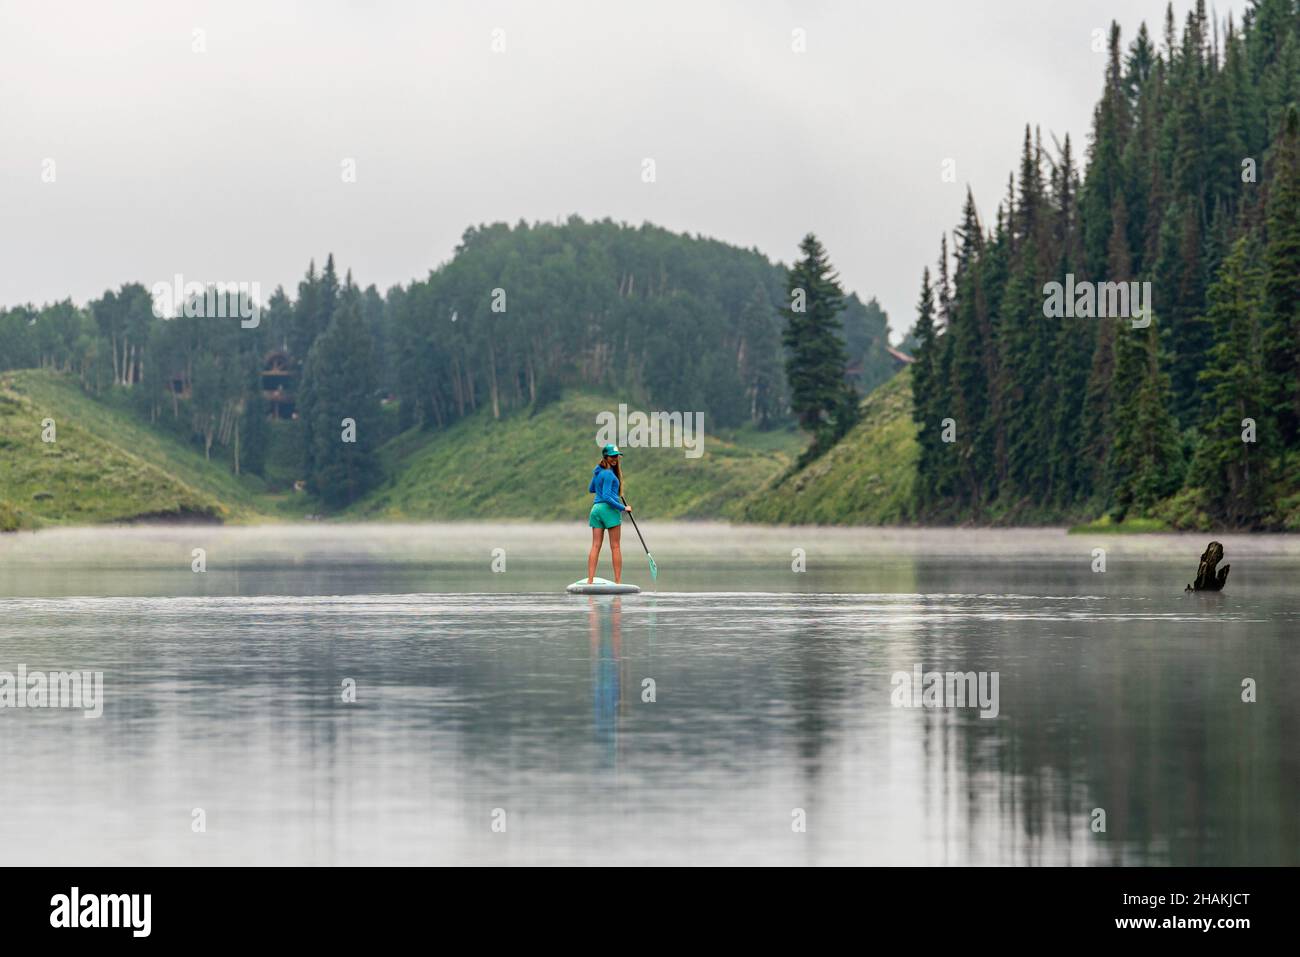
(478, 690)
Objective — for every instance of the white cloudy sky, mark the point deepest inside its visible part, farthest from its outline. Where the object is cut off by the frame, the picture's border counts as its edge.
(226, 164)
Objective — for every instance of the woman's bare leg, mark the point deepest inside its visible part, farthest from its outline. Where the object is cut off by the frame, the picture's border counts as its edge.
(616, 551)
(593, 556)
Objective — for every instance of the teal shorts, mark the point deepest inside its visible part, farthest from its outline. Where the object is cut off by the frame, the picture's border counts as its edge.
(604, 515)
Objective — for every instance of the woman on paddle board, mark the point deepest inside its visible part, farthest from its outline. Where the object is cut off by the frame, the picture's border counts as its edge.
(607, 511)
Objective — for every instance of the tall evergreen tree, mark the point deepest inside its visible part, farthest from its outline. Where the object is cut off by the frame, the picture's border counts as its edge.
(1146, 457)
(924, 371)
(941, 483)
(1232, 463)
(1180, 278)
(1282, 277)
(254, 433)
(1110, 130)
(1099, 401)
(970, 364)
(1027, 339)
(820, 397)
(306, 311)
(1075, 341)
(339, 410)
(1139, 63)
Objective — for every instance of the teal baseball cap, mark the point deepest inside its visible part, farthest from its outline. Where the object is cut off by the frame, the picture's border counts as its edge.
(610, 449)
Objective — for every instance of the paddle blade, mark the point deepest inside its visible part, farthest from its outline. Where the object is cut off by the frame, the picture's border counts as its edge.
(654, 569)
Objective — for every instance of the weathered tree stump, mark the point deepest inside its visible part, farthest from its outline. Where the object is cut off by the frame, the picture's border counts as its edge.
(1207, 578)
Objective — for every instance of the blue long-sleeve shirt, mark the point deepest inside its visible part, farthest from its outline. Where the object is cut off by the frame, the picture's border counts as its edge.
(605, 484)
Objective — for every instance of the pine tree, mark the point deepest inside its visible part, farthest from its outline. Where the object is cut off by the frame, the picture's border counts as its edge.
(1180, 280)
(1145, 189)
(1282, 278)
(255, 434)
(1027, 339)
(995, 265)
(306, 309)
(1025, 343)
(940, 485)
(1146, 457)
(1235, 471)
(1110, 130)
(338, 384)
(329, 294)
(969, 368)
(815, 360)
(1139, 63)
(1075, 341)
(923, 385)
(1181, 270)
(1099, 402)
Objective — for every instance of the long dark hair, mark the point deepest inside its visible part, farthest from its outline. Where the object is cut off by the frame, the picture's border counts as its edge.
(611, 462)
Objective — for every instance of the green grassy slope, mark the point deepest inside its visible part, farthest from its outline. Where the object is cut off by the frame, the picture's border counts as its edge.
(866, 479)
(537, 466)
(105, 466)
(108, 466)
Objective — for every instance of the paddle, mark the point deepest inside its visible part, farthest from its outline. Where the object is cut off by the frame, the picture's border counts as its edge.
(654, 569)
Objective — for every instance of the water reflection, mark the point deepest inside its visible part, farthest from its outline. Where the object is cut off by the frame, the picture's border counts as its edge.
(605, 630)
(1117, 692)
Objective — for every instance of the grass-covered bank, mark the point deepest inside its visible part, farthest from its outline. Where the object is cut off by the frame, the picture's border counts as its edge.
(864, 479)
(101, 465)
(536, 463)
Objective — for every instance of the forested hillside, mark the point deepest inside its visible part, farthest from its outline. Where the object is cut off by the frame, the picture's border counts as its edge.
(680, 322)
(1192, 185)
(518, 315)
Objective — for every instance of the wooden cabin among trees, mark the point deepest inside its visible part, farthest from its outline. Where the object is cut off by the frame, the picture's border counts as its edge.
(277, 384)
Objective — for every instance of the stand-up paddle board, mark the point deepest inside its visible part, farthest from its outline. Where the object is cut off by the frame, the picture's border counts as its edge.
(601, 586)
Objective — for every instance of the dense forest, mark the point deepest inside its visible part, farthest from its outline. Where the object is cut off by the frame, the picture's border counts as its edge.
(1193, 185)
(681, 322)
(516, 316)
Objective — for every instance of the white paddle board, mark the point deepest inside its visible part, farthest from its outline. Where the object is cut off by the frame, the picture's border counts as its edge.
(601, 586)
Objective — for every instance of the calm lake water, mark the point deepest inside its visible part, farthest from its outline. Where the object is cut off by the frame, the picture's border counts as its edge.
(487, 697)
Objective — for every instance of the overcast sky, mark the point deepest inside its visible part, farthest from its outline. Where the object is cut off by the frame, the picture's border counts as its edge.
(227, 163)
